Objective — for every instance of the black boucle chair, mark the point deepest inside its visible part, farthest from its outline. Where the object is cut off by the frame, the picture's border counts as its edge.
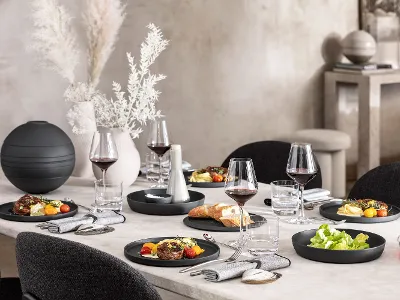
(270, 160)
(52, 268)
(381, 183)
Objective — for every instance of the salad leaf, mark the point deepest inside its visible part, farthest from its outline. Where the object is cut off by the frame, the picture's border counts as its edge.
(333, 239)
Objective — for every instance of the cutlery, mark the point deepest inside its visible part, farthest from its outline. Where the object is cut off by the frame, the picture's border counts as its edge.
(313, 204)
(210, 238)
(232, 258)
(93, 209)
(325, 220)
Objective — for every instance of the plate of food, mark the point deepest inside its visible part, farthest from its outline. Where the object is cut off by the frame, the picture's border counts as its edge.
(210, 177)
(340, 246)
(360, 211)
(148, 202)
(30, 208)
(219, 217)
(171, 251)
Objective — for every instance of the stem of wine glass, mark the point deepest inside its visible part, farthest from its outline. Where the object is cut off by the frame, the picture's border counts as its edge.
(160, 179)
(241, 237)
(301, 215)
(103, 171)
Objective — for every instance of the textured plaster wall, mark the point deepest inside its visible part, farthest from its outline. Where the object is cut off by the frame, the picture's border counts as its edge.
(238, 71)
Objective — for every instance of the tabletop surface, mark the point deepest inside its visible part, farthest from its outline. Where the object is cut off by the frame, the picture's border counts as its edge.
(314, 280)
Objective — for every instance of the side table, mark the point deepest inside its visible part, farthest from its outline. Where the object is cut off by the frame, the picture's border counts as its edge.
(369, 102)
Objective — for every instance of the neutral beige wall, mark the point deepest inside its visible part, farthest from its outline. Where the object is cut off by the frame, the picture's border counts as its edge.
(238, 71)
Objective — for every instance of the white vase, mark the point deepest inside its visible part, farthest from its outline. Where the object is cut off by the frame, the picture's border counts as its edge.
(82, 142)
(127, 167)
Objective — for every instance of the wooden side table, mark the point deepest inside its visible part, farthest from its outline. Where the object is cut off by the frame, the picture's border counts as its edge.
(369, 102)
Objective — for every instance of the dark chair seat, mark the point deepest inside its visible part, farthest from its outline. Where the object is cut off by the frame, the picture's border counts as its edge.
(10, 289)
(381, 183)
(52, 268)
(269, 160)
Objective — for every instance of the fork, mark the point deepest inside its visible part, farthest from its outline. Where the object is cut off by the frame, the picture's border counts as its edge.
(232, 258)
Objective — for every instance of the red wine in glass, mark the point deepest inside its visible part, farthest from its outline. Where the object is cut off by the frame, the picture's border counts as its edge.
(159, 149)
(241, 196)
(103, 163)
(301, 177)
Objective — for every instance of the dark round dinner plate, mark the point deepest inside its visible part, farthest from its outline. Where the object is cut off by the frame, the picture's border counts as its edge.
(206, 184)
(132, 252)
(6, 213)
(329, 210)
(213, 225)
(301, 240)
(138, 202)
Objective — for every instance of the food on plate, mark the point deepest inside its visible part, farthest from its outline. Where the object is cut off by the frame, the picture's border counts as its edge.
(172, 249)
(368, 208)
(29, 205)
(333, 239)
(228, 215)
(209, 174)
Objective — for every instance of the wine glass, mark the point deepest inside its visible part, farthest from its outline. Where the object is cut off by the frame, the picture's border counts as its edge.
(241, 185)
(103, 152)
(158, 142)
(302, 168)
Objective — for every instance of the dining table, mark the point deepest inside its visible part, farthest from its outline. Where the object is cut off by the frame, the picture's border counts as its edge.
(305, 279)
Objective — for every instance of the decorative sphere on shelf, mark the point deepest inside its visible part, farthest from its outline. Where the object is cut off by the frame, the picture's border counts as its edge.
(359, 47)
(37, 157)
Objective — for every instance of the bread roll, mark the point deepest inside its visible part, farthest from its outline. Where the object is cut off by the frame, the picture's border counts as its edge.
(213, 211)
(200, 212)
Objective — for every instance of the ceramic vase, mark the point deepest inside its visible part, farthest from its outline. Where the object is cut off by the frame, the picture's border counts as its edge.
(82, 142)
(359, 46)
(127, 167)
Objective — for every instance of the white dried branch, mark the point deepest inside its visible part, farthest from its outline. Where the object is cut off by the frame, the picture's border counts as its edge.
(103, 20)
(54, 39)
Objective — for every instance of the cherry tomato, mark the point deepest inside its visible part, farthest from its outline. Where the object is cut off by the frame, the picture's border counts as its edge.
(217, 178)
(190, 253)
(64, 208)
(145, 250)
(382, 213)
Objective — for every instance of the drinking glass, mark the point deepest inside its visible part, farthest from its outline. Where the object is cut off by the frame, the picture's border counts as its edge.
(108, 195)
(241, 185)
(103, 152)
(284, 197)
(302, 168)
(158, 142)
(263, 233)
(153, 167)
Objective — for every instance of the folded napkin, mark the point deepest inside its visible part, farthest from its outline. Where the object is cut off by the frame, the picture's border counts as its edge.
(73, 223)
(316, 194)
(224, 271)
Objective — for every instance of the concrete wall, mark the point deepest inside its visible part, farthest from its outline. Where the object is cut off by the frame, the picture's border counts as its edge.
(238, 71)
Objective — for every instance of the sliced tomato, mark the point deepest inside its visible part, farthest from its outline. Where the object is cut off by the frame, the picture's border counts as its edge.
(190, 253)
(145, 250)
(382, 213)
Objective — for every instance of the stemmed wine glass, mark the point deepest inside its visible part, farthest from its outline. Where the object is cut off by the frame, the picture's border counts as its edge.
(241, 185)
(302, 168)
(158, 142)
(103, 152)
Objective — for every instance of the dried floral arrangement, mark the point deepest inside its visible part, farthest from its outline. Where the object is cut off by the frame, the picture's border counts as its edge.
(55, 40)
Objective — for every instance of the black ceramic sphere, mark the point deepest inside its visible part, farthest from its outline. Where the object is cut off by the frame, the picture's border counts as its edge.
(37, 157)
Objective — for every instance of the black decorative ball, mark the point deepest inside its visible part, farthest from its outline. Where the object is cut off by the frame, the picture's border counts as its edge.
(37, 157)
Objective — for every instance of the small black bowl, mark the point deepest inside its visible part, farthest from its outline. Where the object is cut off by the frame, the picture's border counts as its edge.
(162, 196)
(376, 243)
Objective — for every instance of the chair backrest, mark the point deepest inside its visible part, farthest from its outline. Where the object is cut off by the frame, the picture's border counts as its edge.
(381, 183)
(52, 268)
(270, 160)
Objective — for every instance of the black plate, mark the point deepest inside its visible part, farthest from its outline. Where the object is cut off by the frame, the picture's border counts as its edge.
(6, 213)
(132, 252)
(206, 184)
(138, 202)
(329, 210)
(377, 244)
(213, 225)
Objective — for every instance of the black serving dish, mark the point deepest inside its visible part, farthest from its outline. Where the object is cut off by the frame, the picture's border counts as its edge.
(132, 252)
(138, 202)
(213, 225)
(206, 184)
(37, 157)
(6, 213)
(301, 239)
(329, 210)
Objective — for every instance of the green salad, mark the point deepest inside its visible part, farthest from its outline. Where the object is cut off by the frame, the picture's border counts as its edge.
(332, 239)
